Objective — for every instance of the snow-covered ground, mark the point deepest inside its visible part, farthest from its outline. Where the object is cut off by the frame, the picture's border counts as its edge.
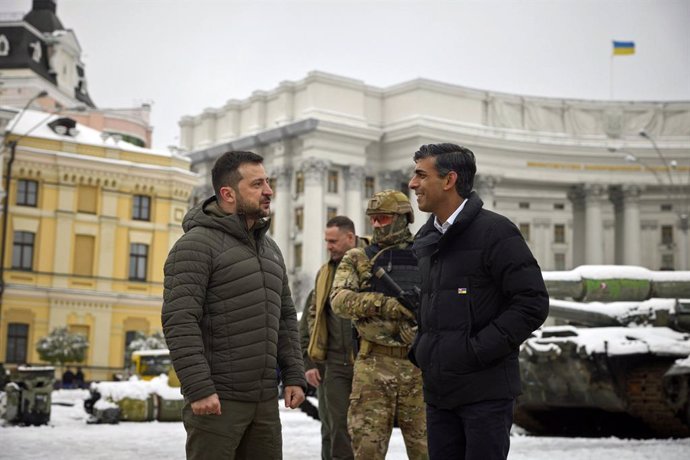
(69, 437)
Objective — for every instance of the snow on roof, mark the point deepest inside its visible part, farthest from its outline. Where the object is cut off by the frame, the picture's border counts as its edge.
(35, 124)
(616, 341)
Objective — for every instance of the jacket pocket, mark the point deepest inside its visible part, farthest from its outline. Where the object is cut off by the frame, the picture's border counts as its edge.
(456, 354)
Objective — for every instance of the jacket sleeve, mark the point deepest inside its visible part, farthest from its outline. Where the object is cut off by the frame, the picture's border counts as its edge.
(187, 271)
(289, 350)
(352, 275)
(306, 326)
(518, 278)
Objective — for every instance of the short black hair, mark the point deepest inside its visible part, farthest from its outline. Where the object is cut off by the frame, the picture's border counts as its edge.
(225, 170)
(342, 222)
(452, 157)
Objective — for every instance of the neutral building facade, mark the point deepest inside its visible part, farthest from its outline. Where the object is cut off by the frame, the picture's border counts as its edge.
(576, 176)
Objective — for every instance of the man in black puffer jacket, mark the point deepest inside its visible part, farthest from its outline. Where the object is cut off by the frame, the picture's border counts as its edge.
(229, 319)
(482, 296)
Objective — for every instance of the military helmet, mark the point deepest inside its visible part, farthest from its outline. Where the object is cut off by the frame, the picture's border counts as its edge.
(390, 202)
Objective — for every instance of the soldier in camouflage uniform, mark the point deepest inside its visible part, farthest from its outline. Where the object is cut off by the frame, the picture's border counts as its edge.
(386, 385)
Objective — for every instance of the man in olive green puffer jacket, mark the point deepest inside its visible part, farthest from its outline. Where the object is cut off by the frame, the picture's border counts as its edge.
(229, 320)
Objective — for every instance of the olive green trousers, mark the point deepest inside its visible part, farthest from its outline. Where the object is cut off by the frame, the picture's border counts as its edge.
(245, 430)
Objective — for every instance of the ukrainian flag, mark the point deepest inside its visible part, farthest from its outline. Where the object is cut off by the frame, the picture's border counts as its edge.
(622, 48)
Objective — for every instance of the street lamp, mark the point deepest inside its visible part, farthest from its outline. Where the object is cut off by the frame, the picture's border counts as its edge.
(8, 174)
(683, 212)
(668, 165)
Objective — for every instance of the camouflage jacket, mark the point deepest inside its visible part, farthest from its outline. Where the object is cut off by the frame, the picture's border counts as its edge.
(347, 300)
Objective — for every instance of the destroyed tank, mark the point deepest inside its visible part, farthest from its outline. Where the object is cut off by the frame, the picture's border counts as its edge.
(613, 357)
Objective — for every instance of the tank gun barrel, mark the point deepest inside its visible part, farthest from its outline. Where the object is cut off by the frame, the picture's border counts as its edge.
(610, 283)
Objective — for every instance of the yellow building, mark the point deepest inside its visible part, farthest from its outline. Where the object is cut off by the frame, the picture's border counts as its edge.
(91, 220)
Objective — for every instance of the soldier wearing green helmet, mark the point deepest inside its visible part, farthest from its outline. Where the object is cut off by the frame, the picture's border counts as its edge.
(386, 386)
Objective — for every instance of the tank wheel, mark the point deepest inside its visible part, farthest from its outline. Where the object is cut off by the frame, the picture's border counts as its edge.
(647, 401)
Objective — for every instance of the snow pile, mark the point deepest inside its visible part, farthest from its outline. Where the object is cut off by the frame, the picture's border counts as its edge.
(614, 341)
(137, 389)
(629, 313)
(683, 362)
(630, 272)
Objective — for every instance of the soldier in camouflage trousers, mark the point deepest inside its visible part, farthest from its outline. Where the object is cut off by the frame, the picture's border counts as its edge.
(386, 386)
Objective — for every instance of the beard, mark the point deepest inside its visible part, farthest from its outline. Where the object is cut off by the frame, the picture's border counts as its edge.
(253, 210)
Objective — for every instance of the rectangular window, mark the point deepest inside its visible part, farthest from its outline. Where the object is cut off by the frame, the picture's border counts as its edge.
(27, 192)
(559, 206)
(141, 207)
(559, 233)
(369, 184)
(331, 213)
(559, 261)
(130, 336)
(299, 218)
(299, 182)
(17, 341)
(87, 199)
(524, 229)
(138, 258)
(667, 262)
(667, 207)
(83, 254)
(332, 181)
(298, 255)
(523, 205)
(23, 251)
(667, 234)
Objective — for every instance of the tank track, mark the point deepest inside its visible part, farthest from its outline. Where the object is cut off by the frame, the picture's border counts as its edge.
(647, 402)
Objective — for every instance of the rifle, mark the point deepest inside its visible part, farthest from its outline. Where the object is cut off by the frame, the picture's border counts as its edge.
(408, 299)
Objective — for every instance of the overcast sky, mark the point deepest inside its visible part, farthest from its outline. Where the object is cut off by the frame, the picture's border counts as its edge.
(186, 55)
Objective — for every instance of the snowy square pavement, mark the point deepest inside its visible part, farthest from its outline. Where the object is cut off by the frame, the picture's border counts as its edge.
(69, 437)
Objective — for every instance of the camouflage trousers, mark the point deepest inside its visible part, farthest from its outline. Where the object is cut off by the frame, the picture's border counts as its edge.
(384, 388)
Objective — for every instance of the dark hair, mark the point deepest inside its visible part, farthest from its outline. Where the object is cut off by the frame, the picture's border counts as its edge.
(343, 223)
(451, 157)
(225, 170)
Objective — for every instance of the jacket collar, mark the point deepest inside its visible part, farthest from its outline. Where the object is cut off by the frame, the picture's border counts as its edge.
(209, 214)
(428, 237)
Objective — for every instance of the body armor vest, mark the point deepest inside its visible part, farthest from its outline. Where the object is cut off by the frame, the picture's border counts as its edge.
(400, 264)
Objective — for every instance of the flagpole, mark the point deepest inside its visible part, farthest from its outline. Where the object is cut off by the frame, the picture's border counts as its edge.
(611, 78)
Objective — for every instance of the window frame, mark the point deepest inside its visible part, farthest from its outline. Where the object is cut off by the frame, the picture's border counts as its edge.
(138, 208)
(13, 346)
(24, 194)
(23, 247)
(135, 260)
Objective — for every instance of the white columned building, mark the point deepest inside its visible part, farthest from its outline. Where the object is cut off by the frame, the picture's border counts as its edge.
(575, 176)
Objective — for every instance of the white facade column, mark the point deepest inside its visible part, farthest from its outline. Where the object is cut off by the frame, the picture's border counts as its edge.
(485, 186)
(631, 225)
(542, 241)
(576, 196)
(594, 228)
(282, 208)
(354, 190)
(682, 243)
(314, 215)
